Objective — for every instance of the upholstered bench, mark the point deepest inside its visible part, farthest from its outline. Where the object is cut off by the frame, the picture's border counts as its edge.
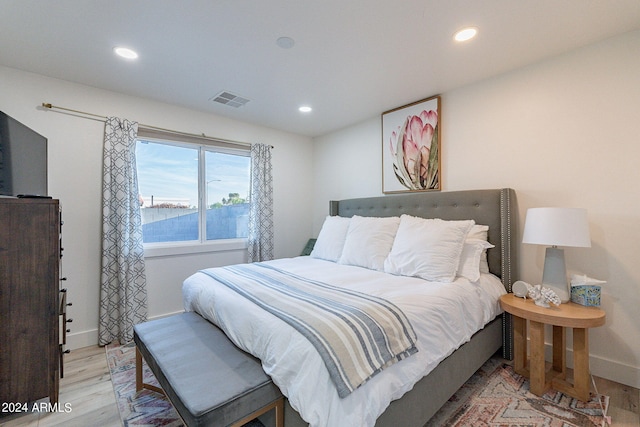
(208, 379)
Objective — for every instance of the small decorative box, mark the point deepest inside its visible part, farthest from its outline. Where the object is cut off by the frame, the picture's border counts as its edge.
(588, 295)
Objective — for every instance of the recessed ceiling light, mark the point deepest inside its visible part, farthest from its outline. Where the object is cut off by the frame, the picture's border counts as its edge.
(285, 42)
(465, 34)
(305, 109)
(125, 52)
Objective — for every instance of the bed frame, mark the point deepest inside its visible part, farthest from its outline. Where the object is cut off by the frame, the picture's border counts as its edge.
(495, 208)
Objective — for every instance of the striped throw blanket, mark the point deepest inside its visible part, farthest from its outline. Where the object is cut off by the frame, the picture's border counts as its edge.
(357, 335)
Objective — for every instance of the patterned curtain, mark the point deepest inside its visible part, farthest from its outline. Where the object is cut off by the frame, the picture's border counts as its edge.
(261, 209)
(123, 293)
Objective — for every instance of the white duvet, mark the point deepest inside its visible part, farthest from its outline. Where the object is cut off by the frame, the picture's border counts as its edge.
(444, 316)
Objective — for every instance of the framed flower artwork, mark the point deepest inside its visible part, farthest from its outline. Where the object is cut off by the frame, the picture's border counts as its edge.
(411, 147)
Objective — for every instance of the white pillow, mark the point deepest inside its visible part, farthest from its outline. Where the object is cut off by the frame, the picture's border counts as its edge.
(331, 238)
(481, 232)
(484, 263)
(369, 240)
(427, 248)
(470, 258)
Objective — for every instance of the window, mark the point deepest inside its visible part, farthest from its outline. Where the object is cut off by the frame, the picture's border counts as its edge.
(192, 192)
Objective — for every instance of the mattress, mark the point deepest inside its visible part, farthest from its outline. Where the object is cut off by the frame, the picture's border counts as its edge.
(443, 315)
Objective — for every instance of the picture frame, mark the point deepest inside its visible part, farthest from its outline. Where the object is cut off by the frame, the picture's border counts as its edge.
(411, 148)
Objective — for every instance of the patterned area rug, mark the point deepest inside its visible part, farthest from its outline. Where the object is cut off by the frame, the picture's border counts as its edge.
(497, 397)
(494, 397)
(146, 408)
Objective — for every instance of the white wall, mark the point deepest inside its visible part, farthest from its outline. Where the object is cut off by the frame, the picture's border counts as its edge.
(75, 171)
(564, 132)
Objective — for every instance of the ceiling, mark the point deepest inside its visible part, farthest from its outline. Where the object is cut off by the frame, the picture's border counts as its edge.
(352, 59)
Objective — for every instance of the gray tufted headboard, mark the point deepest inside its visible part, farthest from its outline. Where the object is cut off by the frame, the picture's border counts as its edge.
(495, 208)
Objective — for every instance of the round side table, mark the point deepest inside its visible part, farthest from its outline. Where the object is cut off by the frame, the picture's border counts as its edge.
(568, 315)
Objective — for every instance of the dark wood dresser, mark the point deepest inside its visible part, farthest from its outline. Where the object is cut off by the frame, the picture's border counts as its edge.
(29, 299)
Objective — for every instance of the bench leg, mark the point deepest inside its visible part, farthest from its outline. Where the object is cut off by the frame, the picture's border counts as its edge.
(280, 413)
(140, 384)
(278, 405)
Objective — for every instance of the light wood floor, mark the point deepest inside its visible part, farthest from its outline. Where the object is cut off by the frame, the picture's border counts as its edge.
(87, 389)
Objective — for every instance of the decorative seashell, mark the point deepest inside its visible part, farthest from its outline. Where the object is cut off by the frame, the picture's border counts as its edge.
(542, 296)
(550, 296)
(534, 292)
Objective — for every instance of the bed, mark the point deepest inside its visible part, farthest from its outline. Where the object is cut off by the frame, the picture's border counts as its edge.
(417, 380)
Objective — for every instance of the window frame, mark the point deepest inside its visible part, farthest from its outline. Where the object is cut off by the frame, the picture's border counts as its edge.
(202, 144)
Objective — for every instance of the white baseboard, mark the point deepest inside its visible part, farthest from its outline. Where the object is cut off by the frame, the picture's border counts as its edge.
(615, 371)
(82, 339)
(603, 368)
(89, 338)
(165, 315)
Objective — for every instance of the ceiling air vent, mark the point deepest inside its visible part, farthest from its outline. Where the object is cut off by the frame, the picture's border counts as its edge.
(228, 98)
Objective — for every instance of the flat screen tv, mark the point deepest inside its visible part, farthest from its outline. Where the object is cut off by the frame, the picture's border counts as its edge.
(23, 159)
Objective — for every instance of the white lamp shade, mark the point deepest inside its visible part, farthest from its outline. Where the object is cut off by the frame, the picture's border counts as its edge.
(557, 227)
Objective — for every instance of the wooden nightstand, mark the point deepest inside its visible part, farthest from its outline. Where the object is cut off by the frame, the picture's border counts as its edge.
(567, 315)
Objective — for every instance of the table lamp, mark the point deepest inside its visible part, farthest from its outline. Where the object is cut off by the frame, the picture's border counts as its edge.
(556, 227)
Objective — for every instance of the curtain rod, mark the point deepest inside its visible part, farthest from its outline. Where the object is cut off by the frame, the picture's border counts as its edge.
(177, 132)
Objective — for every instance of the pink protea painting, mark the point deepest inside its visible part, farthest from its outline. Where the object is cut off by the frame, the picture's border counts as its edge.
(414, 151)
